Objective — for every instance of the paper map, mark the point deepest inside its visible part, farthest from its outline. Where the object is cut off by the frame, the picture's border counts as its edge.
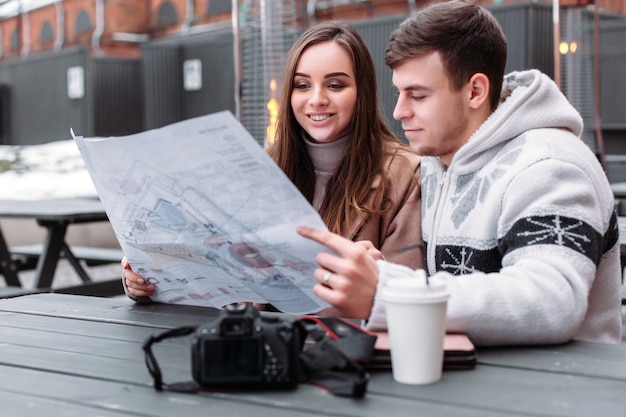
(201, 211)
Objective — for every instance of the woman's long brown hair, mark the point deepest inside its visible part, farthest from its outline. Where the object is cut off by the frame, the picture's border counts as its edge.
(348, 189)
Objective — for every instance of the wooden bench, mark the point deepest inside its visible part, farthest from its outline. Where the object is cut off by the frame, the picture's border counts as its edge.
(27, 255)
(109, 288)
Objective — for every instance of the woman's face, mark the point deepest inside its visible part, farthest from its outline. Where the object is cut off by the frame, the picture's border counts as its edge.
(324, 92)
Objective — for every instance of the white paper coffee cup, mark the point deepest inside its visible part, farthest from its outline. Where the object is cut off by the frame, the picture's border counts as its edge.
(416, 322)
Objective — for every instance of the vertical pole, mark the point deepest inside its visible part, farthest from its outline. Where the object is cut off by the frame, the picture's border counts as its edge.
(596, 88)
(237, 57)
(556, 21)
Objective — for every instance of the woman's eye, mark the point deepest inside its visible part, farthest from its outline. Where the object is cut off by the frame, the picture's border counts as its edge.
(300, 86)
(335, 86)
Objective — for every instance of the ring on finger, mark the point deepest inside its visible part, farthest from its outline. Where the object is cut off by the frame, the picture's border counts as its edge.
(326, 278)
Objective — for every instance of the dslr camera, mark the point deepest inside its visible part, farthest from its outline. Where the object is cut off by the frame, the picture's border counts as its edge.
(241, 348)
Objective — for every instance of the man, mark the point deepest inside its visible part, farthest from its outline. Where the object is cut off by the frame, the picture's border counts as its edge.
(517, 213)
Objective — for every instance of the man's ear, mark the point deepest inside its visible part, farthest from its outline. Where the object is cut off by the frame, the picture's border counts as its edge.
(478, 90)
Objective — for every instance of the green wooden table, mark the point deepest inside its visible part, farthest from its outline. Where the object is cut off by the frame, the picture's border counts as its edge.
(68, 355)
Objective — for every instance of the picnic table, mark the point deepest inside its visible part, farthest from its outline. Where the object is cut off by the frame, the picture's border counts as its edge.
(55, 215)
(76, 356)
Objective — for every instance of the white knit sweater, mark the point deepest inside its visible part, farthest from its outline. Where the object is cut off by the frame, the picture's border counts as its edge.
(522, 226)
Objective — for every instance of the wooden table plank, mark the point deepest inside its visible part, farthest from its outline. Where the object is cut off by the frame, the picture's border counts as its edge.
(118, 358)
(107, 398)
(501, 390)
(86, 352)
(305, 401)
(115, 310)
(588, 359)
(24, 405)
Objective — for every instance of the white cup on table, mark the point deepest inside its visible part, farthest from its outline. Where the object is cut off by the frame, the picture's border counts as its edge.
(416, 322)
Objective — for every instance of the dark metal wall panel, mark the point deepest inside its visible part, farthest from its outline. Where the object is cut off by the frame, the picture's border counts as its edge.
(218, 76)
(162, 85)
(612, 75)
(118, 103)
(5, 105)
(529, 32)
(165, 98)
(376, 35)
(613, 90)
(40, 108)
(540, 35)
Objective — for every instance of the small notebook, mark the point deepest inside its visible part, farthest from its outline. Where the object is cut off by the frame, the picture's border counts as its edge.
(459, 352)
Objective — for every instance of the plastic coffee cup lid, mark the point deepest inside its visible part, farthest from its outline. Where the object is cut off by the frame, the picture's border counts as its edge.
(414, 288)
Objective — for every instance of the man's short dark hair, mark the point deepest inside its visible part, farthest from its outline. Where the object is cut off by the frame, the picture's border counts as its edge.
(467, 37)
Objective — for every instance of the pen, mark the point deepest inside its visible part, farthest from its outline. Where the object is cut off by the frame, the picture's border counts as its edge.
(411, 247)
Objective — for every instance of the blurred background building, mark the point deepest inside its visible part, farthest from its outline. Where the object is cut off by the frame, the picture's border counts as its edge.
(117, 67)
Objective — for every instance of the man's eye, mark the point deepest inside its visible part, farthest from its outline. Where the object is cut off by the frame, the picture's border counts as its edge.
(417, 98)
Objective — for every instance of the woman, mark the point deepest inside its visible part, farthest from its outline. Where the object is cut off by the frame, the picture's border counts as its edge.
(334, 145)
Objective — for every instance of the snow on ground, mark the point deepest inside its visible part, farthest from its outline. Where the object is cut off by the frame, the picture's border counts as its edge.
(51, 170)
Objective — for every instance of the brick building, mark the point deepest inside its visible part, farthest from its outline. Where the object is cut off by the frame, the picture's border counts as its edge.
(117, 27)
(109, 27)
(115, 67)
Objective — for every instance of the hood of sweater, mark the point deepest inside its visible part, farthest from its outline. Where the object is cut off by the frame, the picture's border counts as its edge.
(529, 100)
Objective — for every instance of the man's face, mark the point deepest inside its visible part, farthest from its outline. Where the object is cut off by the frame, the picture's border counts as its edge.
(435, 119)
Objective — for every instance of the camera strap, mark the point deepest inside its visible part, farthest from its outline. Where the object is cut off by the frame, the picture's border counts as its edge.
(332, 356)
(153, 365)
(336, 357)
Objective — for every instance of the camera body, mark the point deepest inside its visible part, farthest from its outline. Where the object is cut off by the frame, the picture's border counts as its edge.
(241, 348)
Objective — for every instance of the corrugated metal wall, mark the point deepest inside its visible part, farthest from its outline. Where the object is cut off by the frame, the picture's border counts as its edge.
(39, 110)
(612, 75)
(162, 85)
(376, 35)
(530, 35)
(218, 75)
(118, 100)
(165, 98)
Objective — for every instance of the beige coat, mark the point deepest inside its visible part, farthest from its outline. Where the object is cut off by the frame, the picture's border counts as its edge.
(401, 225)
